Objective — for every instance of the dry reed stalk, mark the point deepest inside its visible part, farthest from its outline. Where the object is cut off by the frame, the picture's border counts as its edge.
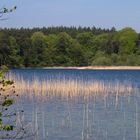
(137, 122)
(124, 132)
(70, 88)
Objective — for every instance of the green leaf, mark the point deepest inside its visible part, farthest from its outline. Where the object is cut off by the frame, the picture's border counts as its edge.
(8, 82)
(8, 128)
(7, 102)
(0, 121)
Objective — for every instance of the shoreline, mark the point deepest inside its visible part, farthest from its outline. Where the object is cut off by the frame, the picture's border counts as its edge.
(98, 68)
(85, 68)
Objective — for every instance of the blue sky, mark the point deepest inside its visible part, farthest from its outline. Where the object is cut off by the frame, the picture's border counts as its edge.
(99, 13)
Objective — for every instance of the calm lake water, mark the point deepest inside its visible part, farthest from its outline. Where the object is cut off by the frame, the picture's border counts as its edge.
(98, 117)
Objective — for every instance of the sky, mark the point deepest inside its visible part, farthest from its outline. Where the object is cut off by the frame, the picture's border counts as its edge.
(98, 13)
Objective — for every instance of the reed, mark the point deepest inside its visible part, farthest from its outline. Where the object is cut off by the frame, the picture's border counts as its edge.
(70, 88)
(137, 121)
(73, 88)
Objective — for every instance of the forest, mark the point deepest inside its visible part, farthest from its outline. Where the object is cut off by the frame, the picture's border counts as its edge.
(69, 46)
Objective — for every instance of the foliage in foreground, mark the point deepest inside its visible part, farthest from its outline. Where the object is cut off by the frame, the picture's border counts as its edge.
(11, 123)
(7, 95)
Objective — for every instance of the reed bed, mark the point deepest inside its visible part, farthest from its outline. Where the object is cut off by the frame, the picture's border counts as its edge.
(70, 87)
(73, 88)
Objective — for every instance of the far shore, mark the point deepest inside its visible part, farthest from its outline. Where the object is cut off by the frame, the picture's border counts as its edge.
(99, 67)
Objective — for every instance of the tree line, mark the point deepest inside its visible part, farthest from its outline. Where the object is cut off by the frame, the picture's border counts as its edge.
(69, 46)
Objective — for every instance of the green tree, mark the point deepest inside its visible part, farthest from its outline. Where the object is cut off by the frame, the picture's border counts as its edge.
(86, 39)
(51, 50)
(100, 42)
(111, 45)
(62, 45)
(25, 52)
(38, 48)
(4, 49)
(102, 61)
(58, 46)
(15, 59)
(127, 38)
(137, 47)
(76, 54)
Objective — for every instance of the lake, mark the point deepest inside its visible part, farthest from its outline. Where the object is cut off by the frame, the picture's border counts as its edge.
(65, 104)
